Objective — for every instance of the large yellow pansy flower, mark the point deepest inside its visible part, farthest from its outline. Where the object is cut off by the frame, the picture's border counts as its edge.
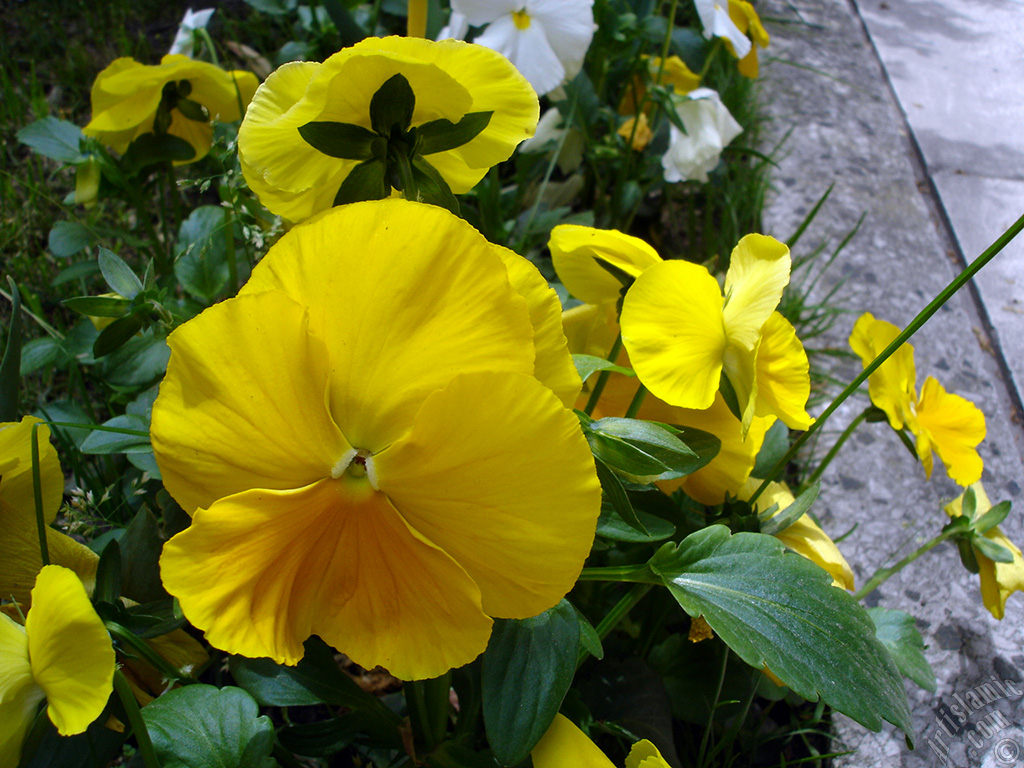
(366, 451)
(62, 654)
(578, 253)
(20, 559)
(130, 99)
(449, 79)
(566, 746)
(945, 423)
(682, 334)
(998, 580)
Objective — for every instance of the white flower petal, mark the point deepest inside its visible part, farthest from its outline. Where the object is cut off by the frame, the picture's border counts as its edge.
(709, 129)
(528, 49)
(480, 12)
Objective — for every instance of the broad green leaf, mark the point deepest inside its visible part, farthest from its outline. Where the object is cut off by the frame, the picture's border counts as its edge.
(779, 611)
(104, 442)
(99, 306)
(989, 520)
(140, 545)
(108, 574)
(153, 149)
(200, 726)
(345, 140)
(774, 524)
(39, 353)
(641, 451)
(56, 139)
(615, 495)
(442, 135)
(392, 106)
(774, 447)
(614, 527)
(67, 238)
(898, 633)
(77, 271)
(995, 552)
(202, 265)
(589, 364)
(119, 276)
(527, 669)
(10, 364)
(590, 641)
(117, 334)
(141, 361)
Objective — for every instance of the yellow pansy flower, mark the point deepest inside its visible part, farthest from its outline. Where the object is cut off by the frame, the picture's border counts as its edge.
(683, 334)
(745, 18)
(803, 536)
(449, 80)
(578, 253)
(945, 423)
(998, 580)
(179, 96)
(365, 449)
(62, 654)
(566, 746)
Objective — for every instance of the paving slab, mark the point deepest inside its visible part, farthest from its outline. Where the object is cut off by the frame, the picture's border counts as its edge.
(822, 84)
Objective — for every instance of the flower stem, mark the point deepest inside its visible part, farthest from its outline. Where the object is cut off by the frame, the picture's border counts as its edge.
(884, 573)
(636, 402)
(922, 317)
(602, 377)
(616, 614)
(835, 448)
(416, 22)
(131, 709)
(429, 702)
(37, 492)
(639, 574)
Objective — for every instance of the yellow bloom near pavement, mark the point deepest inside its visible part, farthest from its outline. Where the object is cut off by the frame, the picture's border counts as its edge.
(63, 654)
(20, 559)
(578, 252)
(945, 423)
(682, 334)
(566, 746)
(745, 17)
(130, 99)
(449, 79)
(366, 451)
(998, 580)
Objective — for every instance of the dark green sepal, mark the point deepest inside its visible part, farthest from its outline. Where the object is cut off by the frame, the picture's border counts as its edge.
(442, 135)
(365, 182)
(730, 397)
(193, 110)
(392, 106)
(343, 140)
(430, 187)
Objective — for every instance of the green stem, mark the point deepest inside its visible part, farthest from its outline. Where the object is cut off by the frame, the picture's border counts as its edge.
(711, 57)
(922, 317)
(429, 702)
(616, 614)
(636, 402)
(602, 377)
(639, 574)
(148, 655)
(138, 725)
(37, 491)
(884, 573)
(835, 448)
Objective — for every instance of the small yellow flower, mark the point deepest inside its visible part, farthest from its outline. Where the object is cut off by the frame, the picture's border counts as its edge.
(582, 255)
(366, 450)
(179, 96)
(566, 746)
(62, 654)
(998, 580)
(674, 73)
(746, 19)
(637, 131)
(945, 423)
(683, 334)
(449, 80)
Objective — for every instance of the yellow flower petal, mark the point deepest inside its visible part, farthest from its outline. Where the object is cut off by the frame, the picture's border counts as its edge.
(673, 330)
(179, 648)
(577, 253)
(488, 459)
(645, 755)
(758, 273)
(566, 746)
(591, 329)
(243, 403)
(383, 311)
(15, 668)
(783, 374)
(16, 715)
(16, 490)
(891, 386)
(72, 658)
(953, 426)
(261, 571)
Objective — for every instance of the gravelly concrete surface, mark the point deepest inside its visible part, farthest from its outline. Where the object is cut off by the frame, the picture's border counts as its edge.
(846, 129)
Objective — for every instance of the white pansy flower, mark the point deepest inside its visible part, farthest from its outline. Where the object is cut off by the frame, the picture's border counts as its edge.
(714, 17)
(456, 28)
(709, 129)
(184, 41)
(545, 39)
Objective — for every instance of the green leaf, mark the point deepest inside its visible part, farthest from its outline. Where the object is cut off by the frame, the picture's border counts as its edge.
(641, 451)
(442, 135)
(364, 182)
(108, 574)
(430, 186)
(774, 447)
(99, 306)
(780, 611)
(67, 238)
(193, 110)
(141, 361)
(774, 524)
(40, 353)
(586, 365)
(200, 726)
(103, 442)
(202, 265)
(729, 396)
(345, 140)
(274, 7)
(153, 149)
(10, 365)
(117, 334)
(994, 552)
(392, 106)
(56, 139)
(614, 527)
(141, 545)
(897, 632)
(527, 669)
(77, 271)
(590, 641)
(989, 520)
(119, 276)
(615, 495)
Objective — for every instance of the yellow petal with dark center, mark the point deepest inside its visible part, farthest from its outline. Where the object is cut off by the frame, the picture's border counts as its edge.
(577, 253)
(891, 386)
(566, 746)
(489, 461)
(261, 571)
(72, 658)
(243, 404)
(16, 488)
(673, 330)
(758, 273)
(409, 296)
(955, 426)
(783, 374)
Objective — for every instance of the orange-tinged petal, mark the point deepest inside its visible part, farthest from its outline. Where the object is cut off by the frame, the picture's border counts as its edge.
(243, 404)
(395, 330)
(673, 330)
(489, 458)
(70, 650)
(758, 273)
(954, 426)
(261, 571)
(891, 386)
(577, 253)
(783, 374)
(566, 746)
(16, 489)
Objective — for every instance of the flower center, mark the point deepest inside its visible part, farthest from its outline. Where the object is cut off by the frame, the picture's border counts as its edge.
(522, 19)
(356, 463)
